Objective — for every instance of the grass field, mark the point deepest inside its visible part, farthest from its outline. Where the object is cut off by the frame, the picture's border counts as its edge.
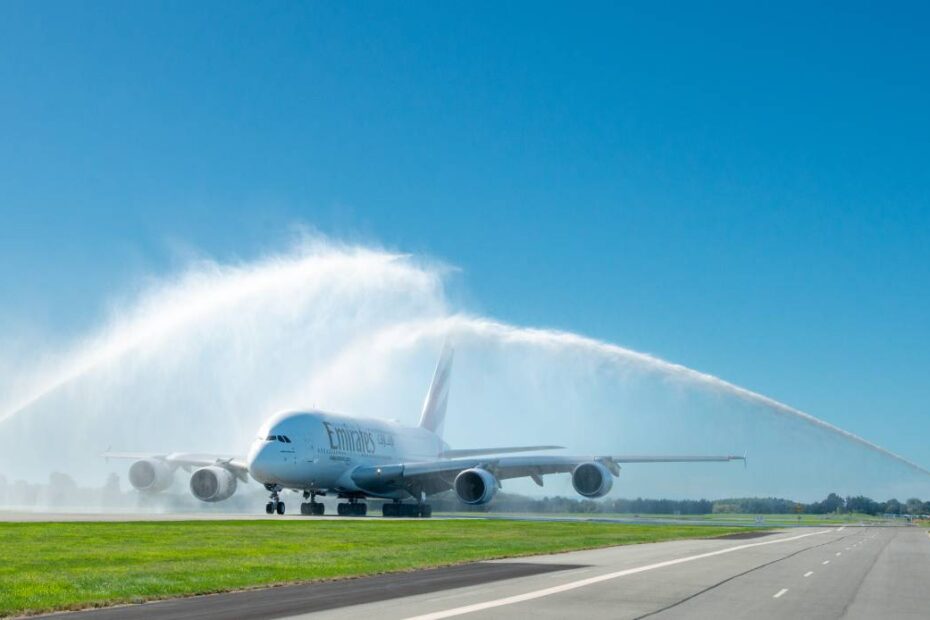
(46, 566)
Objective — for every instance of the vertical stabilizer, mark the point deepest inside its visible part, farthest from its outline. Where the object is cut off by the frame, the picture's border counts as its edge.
(434, 409)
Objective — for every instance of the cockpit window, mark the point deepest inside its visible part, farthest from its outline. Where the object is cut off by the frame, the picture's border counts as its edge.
(285, 439)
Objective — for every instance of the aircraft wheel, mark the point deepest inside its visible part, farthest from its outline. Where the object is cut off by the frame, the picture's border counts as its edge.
(269, 508)
(317, 509)
(360, 509)
(425, 511)
(389, 510)
(280, 508)
(304, 510)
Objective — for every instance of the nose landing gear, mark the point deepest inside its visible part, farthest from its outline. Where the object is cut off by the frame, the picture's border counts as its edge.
(275, 505)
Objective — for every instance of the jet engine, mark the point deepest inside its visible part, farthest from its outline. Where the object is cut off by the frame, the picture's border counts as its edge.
(592, 479)
(475, 486)
(151, 475)
(213, 484)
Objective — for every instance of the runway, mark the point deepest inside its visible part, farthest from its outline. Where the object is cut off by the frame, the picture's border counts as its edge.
(849, 572)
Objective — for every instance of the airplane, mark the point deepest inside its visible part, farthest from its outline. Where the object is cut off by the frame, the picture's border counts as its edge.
(319, 453)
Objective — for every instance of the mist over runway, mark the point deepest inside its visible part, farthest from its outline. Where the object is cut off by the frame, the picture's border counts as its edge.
(196, 361)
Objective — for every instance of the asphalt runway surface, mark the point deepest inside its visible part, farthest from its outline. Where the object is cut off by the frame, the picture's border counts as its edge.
(817, 572)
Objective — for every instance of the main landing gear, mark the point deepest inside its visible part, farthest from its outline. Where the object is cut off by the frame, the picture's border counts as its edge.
(275, 505)
(410, 511)
(312, 508)
(353, 508)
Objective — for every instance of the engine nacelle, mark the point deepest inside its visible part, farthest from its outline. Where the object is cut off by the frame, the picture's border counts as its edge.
(151, 475)
(475, 486)
(592, 479)
(213, 484)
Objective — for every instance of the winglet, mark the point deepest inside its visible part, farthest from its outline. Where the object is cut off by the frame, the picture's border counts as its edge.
(434, 407)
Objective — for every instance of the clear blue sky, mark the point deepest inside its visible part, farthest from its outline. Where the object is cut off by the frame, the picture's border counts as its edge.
(741, 188)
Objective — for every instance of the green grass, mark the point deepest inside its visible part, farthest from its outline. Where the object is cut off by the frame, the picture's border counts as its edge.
(46, 566)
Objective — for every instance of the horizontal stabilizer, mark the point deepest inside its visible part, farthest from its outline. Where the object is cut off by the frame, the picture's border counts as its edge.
(452, 454)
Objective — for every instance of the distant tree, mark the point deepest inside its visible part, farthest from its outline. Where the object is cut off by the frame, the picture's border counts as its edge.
(892, 507)
(61, 488)
(755, 505)
(58, 480)
(862, 504)
(834, 503)
(110, 493)
(21, 493)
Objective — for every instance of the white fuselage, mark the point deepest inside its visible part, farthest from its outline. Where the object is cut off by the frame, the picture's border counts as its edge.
(317, 451)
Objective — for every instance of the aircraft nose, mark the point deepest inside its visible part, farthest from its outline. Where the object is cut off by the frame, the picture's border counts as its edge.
(261, 462)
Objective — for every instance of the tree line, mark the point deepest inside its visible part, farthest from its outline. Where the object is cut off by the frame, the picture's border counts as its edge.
(832, 504)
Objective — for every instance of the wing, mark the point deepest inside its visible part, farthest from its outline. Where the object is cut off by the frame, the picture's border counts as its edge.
(451, 454)
(507, 467)
(436, 476)
(189, 460)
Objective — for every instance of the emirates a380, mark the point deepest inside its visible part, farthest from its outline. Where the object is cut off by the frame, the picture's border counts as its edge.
(317, 453)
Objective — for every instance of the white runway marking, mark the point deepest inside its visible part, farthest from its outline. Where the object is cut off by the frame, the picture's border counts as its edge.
(780, 592)
(809, 573)
(572, 585)
(839, 553)
(825, 562)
